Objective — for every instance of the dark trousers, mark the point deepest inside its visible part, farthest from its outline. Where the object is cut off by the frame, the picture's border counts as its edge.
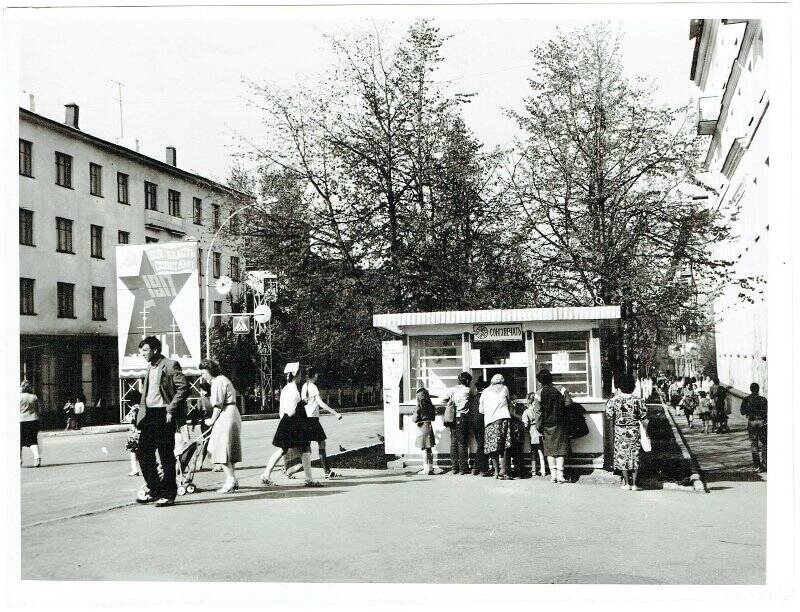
(459, 444)
(757, 431)
(476, 427)
(157, 436)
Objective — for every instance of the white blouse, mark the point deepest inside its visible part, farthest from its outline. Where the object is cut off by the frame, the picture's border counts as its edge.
(290, 397)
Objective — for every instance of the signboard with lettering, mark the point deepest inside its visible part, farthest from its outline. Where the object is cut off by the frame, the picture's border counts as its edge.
(560, 363)
(489, 333)
(158, 295)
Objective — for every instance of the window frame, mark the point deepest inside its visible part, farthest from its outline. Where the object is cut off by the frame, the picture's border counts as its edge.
(101, 292)
(67, 230)
(216, 211)
(27, 298)
(120, 234)
(197, 211)
(234, 259)
(174, 203)
(23, 213)
(200, 262)
(25, 158)
(96, 241)
(96, 179)
(216, 264)
(122, 188)
(147, 203)
(217, 311)
(64, 291)
(67, 166)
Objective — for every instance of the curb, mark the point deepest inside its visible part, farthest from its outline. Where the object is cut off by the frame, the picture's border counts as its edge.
(698, 484)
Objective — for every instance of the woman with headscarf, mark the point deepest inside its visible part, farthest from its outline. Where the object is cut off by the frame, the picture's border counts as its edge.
(494, 406)
(553, 424)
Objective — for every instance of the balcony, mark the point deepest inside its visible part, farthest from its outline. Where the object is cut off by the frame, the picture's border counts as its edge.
(707, 115)
(159, 220)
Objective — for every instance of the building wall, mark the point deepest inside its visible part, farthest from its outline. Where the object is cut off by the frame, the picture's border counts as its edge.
(733, 68)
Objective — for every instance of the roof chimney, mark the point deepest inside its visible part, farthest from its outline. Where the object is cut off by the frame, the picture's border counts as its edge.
(32, 103)
(172, 156)
(72, 115)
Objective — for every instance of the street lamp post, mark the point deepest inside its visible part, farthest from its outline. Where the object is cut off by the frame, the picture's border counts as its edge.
(209, 315)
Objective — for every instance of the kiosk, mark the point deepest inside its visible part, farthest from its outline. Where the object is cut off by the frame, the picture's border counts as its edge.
(434, 347)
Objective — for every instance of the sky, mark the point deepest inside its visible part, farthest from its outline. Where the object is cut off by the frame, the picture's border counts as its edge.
(182, 68)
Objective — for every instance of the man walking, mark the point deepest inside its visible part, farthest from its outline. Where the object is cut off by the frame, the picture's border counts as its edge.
(163, 395)
(754, 407)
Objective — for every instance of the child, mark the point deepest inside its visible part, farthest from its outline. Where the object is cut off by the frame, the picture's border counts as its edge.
(705, 411)
(424, 417)
(689, 403)
(538, 464)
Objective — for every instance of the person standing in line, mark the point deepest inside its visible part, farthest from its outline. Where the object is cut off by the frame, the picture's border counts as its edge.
(538, 463)
(460, 396)
(554, 426)
(80, 408)
(754, 407)
(292, 429)
(476, 426)
(313, 402)
(164, 392)
(494, 406)
(626, 411)
(29, 422)
(424, 418)
(225, 441)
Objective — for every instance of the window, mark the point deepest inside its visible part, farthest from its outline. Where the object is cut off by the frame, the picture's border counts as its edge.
(200, 262)
(122, 188)
(150, 196)
(96, 180)
(149, 240)
(197, 211)
(436, 362)
(217, 265)
(235, 268)
(25, 158)
(26, 227)
(26, 296)
(98, 303)
(64, 231)
(566, 355)
(97, 241)
(215, 212)
(174, 202)
(217, 310)
(66, 301)
(202, 313)
(123, 237)
(63, 170)
(233, 225)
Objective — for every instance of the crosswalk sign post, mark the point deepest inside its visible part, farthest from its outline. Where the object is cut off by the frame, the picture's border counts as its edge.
(241, 324)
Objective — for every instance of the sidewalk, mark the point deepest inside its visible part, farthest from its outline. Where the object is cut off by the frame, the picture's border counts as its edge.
(721, 456)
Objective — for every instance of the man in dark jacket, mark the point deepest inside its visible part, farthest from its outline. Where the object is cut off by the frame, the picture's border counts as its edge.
(163, 395)
(754, 407)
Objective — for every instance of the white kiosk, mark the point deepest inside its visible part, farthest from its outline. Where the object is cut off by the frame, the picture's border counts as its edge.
(434, 347)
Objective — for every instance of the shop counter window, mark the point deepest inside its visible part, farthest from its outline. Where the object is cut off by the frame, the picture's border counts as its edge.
(566, 355)
(436, 362)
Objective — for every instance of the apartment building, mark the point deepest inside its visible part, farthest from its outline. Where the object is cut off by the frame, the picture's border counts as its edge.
(728, 68)
(80, 196)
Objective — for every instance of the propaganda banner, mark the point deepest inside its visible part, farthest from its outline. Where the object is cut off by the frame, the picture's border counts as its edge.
(158, 295)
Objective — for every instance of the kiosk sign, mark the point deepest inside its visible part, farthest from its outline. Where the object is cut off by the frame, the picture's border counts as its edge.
(158, 295)
(505, 333)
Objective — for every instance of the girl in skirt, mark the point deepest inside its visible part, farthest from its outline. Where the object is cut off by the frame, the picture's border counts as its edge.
(704, 411)
(689, 403)
(424, 417)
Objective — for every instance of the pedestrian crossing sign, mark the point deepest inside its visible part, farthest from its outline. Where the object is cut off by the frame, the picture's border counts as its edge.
(241, 325)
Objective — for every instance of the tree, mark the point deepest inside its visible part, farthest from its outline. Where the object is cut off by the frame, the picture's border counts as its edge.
(604, 179)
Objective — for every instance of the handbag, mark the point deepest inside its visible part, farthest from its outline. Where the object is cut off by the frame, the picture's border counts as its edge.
(577, 423)
(647, 446)
(449, 414)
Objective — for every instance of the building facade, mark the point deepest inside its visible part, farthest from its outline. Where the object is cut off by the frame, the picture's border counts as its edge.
(81, 196)
(728, 67)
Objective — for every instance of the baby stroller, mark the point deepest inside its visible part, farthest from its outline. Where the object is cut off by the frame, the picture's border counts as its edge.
(189, 459)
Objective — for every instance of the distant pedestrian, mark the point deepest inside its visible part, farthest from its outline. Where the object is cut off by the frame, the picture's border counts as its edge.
(675, 395)
(225, 441)
(80, 409)
(554, 425)
(29, 422)
(69, 412)
(689, 403)
(460, 396)
(424, 418)
(754, 407)
(704, 409)
(719, 395)
(494, 406)
(292, 431)
(626, 412)
(538, 463)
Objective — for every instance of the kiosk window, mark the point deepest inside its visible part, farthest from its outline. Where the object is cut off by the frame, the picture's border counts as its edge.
(436, 362)
(566, 355)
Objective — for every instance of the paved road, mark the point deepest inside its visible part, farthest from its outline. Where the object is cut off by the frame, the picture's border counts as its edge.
(86, 473)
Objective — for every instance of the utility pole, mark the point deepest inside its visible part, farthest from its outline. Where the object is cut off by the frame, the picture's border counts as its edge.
(119, 91)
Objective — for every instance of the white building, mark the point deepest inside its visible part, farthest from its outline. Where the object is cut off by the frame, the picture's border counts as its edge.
(728, 68)
(80, 196)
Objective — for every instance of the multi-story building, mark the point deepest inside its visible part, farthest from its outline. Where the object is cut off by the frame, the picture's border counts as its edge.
(80, 196)
(728, 67)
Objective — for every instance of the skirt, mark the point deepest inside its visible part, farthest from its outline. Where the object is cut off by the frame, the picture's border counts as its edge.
(225, 441)
(28, 433)
(314, 431)
(498, 436)
(425, 437)
(627, 444)
(292, 431)
(555, 441)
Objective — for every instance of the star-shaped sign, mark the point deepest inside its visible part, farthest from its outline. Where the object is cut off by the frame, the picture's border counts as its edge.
(152, 309)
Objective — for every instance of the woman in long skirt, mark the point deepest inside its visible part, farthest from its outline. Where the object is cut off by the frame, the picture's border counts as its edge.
(554, 426)
(292, 432)
(225, 441)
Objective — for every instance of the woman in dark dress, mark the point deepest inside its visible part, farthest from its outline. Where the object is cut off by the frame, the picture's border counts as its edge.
(553, 425)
